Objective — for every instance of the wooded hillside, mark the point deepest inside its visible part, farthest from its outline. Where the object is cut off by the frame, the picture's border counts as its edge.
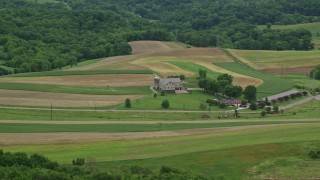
(43, 36)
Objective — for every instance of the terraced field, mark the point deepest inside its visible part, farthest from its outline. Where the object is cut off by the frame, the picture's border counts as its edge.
(287, 62)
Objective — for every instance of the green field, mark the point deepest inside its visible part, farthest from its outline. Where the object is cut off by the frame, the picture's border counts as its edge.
(262, 59)
(308, 110)
(110, 128)
(77, 89)
(189, 101)
(198, 153)
(271, 84)
(69, 73)
(302, 80)
(190, 66)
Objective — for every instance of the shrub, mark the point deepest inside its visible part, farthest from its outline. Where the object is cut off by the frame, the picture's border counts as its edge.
(286, 98)
(268, 110)
(222, 105)
(155, 95)
(305, 93)
(128, 103)
(78, 162)
(314, 155)
(163, 93)
(275, 109)
(253, 106)
(274, 101)
(263, 114)
(293, 96)
(165, 104)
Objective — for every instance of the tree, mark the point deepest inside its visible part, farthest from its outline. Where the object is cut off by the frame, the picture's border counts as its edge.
(128, 103)
(250, 93)
(165, 104)
(253, 106)
(202, 74)
(225, 77)
(275, 109)
(263, 114)
(155, 95)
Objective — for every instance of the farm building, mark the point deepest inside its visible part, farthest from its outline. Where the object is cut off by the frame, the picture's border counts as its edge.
(277, 96)
(168, 84)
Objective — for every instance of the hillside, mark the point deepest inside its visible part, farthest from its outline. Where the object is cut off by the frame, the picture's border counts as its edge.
(46, 35)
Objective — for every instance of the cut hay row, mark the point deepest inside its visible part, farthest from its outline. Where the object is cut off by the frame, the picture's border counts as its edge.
(101, 80)
(45, 99)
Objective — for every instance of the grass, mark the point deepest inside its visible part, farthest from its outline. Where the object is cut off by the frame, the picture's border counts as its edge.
(111, 128)
(209, 154)
(177, 102)
(221, 163)
(271, 84)
(83, 63)
(91, 72)
(308, 110)
(76, 89)
(302, 80)
(263, 59)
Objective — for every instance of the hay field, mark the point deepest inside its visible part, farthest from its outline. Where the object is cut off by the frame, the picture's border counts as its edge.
(45, 99)
(261, 59)
(101, 80)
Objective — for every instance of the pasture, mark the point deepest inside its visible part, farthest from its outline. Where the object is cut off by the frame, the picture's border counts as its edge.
(271, 84)
(265, 60)
(249, 146)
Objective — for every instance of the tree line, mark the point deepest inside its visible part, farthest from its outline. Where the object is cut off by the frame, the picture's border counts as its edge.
(22, 166)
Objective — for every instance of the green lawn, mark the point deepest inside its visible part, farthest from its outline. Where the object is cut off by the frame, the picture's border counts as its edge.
(108, 128)
(308, 110)
(77, 89)
(209, 154)
(91, 72)
(271, 84)
(190, 101)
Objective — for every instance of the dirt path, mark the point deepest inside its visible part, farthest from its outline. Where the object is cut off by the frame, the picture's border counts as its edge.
(8, 139)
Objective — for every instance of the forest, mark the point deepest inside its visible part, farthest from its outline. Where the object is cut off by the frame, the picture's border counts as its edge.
(44, 36)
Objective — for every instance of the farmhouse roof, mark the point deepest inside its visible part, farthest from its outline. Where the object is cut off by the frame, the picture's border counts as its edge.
(172, 80)
(287, 93)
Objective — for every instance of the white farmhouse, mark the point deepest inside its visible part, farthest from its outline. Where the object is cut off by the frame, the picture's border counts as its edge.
(168, 84)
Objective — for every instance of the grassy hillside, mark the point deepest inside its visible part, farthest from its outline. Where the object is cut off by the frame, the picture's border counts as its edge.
(259, 59)
(196, 153)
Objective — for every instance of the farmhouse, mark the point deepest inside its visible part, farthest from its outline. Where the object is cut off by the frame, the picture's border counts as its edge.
(168, 84)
